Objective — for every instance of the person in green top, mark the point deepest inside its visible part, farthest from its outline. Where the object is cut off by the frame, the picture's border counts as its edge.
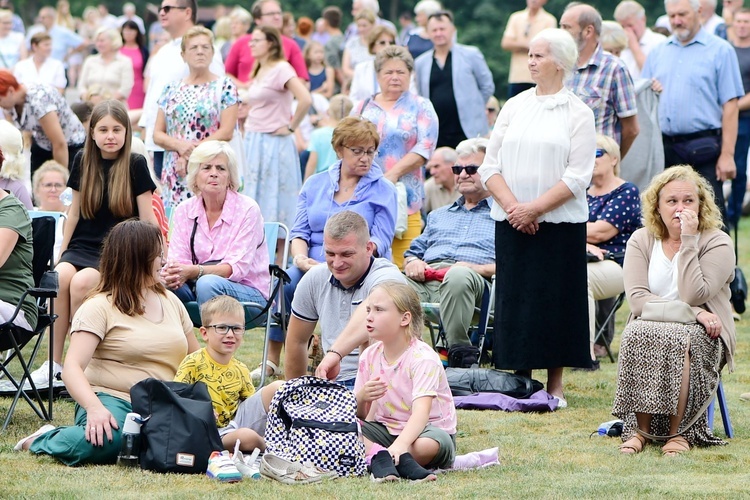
(16, 254)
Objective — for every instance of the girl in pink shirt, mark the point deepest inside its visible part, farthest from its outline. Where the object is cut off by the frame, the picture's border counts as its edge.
(403, 398)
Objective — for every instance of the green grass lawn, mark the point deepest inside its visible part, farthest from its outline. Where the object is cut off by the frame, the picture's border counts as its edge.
(542, 455)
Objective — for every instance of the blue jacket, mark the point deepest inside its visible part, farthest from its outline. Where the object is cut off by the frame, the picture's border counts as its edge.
(472, 84)
(374, 199)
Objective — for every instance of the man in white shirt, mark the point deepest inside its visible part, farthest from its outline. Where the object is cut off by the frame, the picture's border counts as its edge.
(710, 19)
(176, 17)
(641, 40)
(128, 14)
(64, 41)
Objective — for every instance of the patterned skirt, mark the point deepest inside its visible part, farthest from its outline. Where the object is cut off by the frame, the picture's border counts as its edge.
(652, 355)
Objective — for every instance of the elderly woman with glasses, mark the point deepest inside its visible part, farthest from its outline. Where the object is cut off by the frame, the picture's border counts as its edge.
(614, 213)
(538, 165)
(408, 128)
(353, 183)
(218, 245)
(365, 81)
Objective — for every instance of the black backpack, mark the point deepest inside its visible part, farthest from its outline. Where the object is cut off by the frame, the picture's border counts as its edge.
(179, 433)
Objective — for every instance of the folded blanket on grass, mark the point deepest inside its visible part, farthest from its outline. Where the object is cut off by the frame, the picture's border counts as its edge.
(539, 401)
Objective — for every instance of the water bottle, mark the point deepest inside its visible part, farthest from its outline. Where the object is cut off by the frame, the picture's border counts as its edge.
(131, 441)
(612, 428)
(67, 197)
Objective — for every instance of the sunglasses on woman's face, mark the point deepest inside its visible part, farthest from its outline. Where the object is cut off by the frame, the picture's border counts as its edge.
(470, 169)
(600, 153)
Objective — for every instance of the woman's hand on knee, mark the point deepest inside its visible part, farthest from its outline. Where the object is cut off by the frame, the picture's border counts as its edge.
(99, 424)
(710, 322)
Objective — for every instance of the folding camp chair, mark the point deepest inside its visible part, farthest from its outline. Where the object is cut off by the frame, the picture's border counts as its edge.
(477, 332)
(723, 409)
(601, 328)
(263, 314)
(15, 338)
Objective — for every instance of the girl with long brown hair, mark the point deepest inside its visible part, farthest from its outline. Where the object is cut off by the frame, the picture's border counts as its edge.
(109, 185)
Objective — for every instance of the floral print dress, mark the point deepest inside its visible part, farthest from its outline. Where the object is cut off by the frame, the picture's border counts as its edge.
(192, 113)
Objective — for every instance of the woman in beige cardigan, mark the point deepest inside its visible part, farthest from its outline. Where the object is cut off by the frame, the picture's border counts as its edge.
(667, 371)
(109, 70)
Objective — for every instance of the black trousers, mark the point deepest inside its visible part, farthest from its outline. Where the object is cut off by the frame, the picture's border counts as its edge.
(706, 169)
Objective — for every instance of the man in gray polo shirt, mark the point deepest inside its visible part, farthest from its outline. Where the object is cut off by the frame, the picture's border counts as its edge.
(335, 296)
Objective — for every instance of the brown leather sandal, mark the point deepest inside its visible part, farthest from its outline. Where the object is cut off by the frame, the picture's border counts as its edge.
(633, 445)
(675, 446)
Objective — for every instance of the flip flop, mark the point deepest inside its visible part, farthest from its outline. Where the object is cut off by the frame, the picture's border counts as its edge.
(633, 445)
(675, 446)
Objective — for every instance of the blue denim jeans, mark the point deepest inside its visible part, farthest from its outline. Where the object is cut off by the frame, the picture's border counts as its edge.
(734, 204)
(210, 286)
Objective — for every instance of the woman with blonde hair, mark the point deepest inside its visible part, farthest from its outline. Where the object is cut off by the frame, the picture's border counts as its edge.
(218, 242)
(669, 368)
(355, 50)
(202, 106)
(109, 68)
(48, 183)
(614, 213)
(13, 167)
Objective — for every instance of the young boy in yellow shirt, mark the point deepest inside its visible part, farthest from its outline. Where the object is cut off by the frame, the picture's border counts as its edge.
(241, 413)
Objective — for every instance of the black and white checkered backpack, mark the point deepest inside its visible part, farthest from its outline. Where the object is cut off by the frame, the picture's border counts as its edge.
(314, 420)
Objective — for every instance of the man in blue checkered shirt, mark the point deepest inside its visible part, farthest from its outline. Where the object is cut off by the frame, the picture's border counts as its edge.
(600, 79)
(460, 238)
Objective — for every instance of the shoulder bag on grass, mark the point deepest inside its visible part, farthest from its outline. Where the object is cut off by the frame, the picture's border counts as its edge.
(179, 430)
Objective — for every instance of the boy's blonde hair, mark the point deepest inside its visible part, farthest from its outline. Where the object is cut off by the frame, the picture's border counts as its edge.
(406, 300)
(221, 304)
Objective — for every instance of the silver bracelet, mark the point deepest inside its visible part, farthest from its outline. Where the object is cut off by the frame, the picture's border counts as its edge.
(200, 272)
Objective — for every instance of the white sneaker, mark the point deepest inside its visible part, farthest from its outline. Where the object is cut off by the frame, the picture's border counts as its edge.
(40, 376)
(248, 466)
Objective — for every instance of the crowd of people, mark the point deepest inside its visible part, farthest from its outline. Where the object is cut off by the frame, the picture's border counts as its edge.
(542, 193)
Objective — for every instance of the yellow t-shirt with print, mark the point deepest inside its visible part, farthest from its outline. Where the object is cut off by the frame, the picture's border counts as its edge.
(227, 384)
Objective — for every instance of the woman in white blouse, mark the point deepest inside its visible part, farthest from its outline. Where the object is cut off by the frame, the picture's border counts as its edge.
(109, 69)
(538, 165)
(40, 67)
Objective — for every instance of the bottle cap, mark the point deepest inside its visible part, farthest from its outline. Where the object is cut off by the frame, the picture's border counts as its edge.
(132, 424)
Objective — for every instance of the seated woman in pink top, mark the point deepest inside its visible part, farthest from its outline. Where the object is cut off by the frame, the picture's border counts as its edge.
(271, 172)
(217, 245)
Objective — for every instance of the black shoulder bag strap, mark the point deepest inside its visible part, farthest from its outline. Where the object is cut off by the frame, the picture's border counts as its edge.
(192, 241)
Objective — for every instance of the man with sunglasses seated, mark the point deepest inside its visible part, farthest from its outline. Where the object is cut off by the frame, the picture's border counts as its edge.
(451, 261)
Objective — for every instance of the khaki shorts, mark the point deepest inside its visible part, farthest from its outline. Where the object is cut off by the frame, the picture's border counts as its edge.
(378, 433)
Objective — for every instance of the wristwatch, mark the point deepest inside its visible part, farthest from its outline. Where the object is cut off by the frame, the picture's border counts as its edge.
(291, 130)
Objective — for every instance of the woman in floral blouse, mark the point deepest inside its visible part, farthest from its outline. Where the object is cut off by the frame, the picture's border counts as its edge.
(408, 128)
(191, 110)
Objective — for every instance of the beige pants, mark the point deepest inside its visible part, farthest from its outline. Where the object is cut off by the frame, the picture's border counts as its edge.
(605, 281)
